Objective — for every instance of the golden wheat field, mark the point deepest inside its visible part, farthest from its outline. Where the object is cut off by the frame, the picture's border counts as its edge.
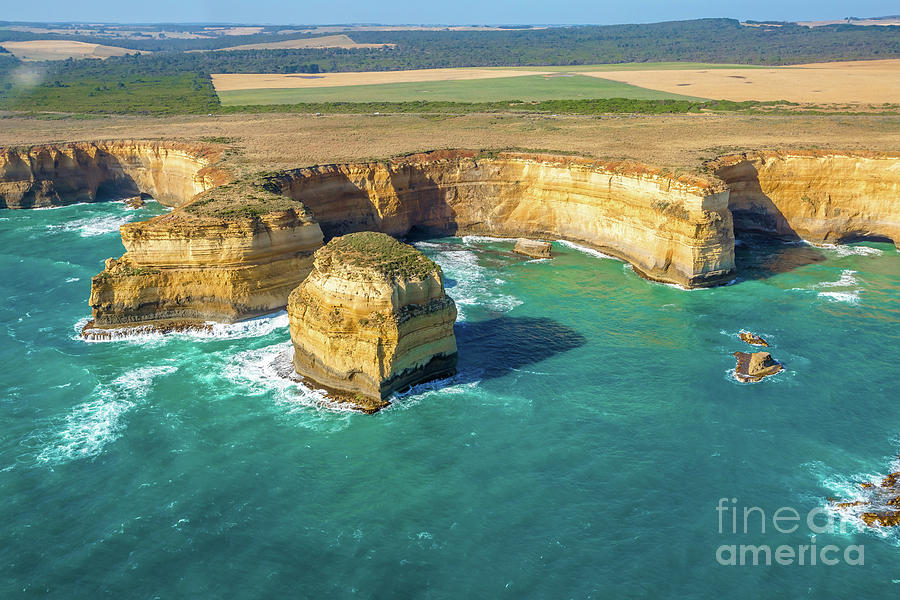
(226, 82)
(62, 49)
(860, 82)
(326, 41)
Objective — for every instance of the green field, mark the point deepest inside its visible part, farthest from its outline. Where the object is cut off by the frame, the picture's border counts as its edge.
(526, 88)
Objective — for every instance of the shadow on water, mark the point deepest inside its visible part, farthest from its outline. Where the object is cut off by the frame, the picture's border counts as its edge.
(761, 256)
(489, 349)
(766, 243)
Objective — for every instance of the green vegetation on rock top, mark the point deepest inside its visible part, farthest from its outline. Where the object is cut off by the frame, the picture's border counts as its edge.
(253, 196)
(378, 252)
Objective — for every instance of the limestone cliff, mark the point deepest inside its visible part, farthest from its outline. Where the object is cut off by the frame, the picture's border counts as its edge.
(821, 197)
(181, 269)
(372, 318)
(673, 229)
(56, 175)
(238, 248)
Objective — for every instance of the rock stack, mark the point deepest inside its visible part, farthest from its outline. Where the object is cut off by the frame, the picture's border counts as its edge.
(532, 248)
(752, 367)
(372, 318)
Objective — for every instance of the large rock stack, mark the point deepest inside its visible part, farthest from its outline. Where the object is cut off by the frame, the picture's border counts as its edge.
(372, 318)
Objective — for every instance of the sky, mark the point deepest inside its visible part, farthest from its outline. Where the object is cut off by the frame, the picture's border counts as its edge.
(452, 12)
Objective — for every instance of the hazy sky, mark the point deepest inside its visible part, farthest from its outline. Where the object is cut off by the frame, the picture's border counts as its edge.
(436, 11)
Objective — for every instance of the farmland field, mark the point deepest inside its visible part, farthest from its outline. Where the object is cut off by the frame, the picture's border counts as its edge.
(561, 86)
(61, 50)
(327, 41)
(848, 82)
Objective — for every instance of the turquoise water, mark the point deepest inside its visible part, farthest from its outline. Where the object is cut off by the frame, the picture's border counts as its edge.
(580, 452)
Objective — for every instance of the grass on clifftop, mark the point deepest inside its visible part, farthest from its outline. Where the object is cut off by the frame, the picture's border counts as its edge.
(379, 252)
(253, 196)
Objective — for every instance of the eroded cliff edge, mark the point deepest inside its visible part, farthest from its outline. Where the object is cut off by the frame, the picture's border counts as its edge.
(817, 196)
(199, 264)
(60, 174)
(372, 318)
(237, 249)
(672, 229)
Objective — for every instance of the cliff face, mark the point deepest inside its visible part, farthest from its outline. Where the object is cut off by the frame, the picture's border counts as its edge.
(56, 175)
(372, 318)
(180, 270)
(671, 229)
(815, 196)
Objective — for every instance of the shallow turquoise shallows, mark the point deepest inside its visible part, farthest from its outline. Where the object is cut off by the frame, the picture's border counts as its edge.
(580, 452)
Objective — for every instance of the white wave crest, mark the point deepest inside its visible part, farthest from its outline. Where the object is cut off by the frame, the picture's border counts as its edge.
(847, 280)
(94, 226)
(843, 250)
(250, 328)
(849, 490)
(271, 370)
(92, 425)
(585, 249)
(847, 297)
(475, 285)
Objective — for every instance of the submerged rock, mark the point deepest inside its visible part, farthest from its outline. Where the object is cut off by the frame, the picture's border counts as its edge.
(532, 248)
(885, 519)
(879, 503)
(136, 201)
(95, 334)
(752, 339)
(371, 319)
(752, 367)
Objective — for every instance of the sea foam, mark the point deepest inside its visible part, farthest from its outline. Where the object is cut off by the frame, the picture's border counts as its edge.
(92, 425)
(250, 328)
(843, 250)
(270, 370)
(585, 249)
(847, 280)
(848, 490)
(94, 226)
(475, 285)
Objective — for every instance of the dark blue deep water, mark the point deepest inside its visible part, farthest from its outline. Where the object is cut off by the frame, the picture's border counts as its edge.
(580, 452)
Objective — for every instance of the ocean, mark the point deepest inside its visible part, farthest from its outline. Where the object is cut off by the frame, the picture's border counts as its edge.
(594, 443)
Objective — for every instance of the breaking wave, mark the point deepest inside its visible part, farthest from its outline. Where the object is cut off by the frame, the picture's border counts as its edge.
(270, 370)
(94, 424)
(250, 328)
(843, 250)
(849, 490)
(94, 226)
(474, 284)
(585, 249)
(848, 295)
(847, 280)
